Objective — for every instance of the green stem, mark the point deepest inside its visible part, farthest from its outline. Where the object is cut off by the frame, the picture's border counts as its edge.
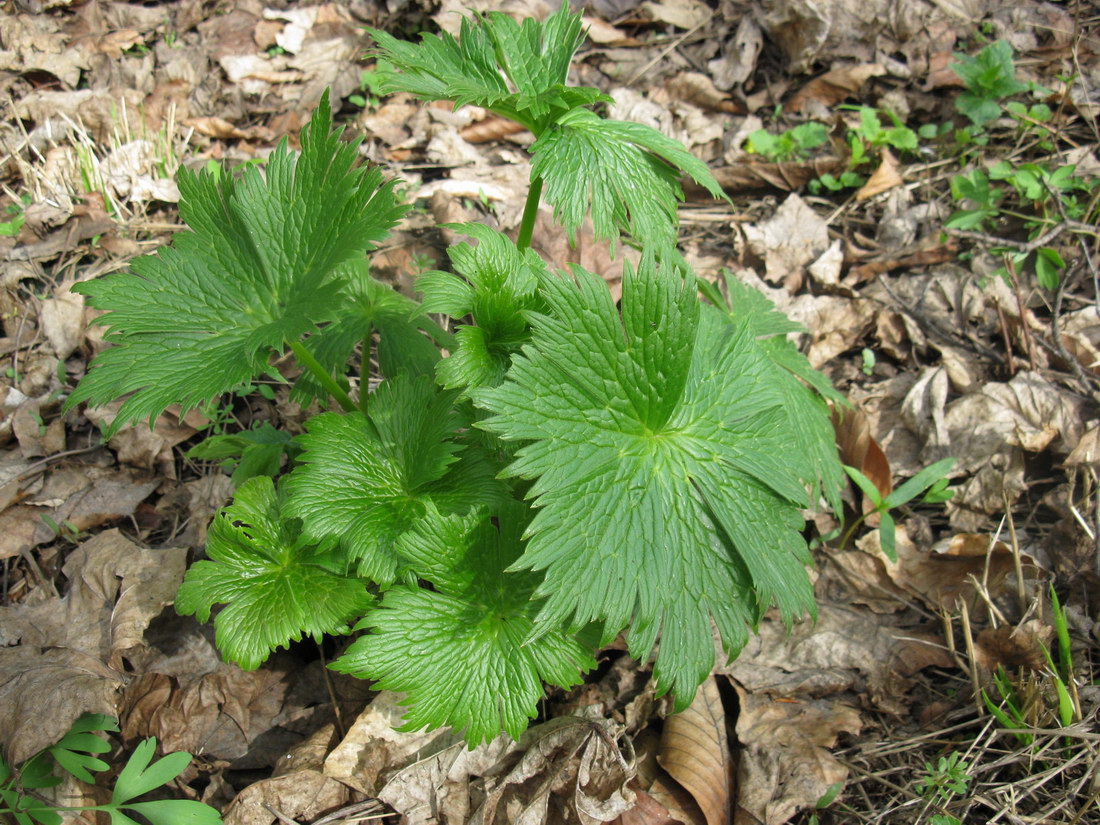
(848, 533)
(530, 212)
(441, 337)
(364, 377)
(306, 359)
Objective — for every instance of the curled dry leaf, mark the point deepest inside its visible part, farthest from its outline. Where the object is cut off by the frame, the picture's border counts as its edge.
(1013, 647)
(298, 796)
(844, 650)
(859, 449)
(554, 778)
(747, 175)
(695, 752)
(884, 178)
(492, 128)
(946, 575)
(44, 690)
(785, 761)
(788, 241)
(834, 86)
(699, 90)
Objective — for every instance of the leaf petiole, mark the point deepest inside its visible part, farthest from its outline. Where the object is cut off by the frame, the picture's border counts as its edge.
(306, 359)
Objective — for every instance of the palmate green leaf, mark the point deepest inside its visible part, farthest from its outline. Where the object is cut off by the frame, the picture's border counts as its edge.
(490, 51)
(808, 421)
(501, 283)
(365, 480)
(668, 489)
(277, 586)
(139, 777)
(461, 652)
(626, 174)
(256, 270)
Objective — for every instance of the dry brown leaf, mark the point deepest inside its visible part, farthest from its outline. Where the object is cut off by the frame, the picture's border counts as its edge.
(884, 178)
(601, 32)
(695, 752)
(373, 747)
(549, 783)
(844, 650)
(684, 14)
(44, 690)
(1013, 647)
(149, 449)
(749, 175)
(116, 589)
(492, 128)
(835, 86)
(785, 761)
(647, 811)
(62, 320)
(788, 241)
(302, 795)
(859, 449)
(944, 576)
(699, 90)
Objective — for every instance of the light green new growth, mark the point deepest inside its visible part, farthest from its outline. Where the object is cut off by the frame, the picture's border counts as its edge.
(625, 174)
(258, 271)
(461, 652)
(276, 584)
(74, 755)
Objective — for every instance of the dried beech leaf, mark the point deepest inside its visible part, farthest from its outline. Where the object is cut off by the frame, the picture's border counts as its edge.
(884, 178)
(300, 796)
(695, 752)
(753, 175)
(833, 87)
(859, 449)
(785, 761)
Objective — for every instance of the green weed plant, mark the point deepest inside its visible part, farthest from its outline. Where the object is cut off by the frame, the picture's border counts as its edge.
(548, 471)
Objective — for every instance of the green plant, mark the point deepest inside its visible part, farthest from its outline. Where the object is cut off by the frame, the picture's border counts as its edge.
(989, 76)
(369, 99)
(932, 481)
(570, 471)
(793, 144)
(942, 780)
(76, 754)
(1038, 199)
(868, 136)
(10, 228)
(1038, 700)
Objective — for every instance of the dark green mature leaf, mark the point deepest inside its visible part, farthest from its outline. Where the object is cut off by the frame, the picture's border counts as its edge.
(256, 270)
(489, 52)
(461, 653)
(626, 174)
(275, 584)
(668, 489)
(365, 480)
(501, 284)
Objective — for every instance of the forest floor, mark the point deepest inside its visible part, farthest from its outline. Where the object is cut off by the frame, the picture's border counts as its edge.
(914, 182)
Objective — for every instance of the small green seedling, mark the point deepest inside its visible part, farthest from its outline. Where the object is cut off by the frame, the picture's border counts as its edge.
(11, 227)
(367, 97)
(944, 779)
(932, 481)
(989, 76)
(794, 144)
(1037, 199)
(78, 755)
(1029, 704)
